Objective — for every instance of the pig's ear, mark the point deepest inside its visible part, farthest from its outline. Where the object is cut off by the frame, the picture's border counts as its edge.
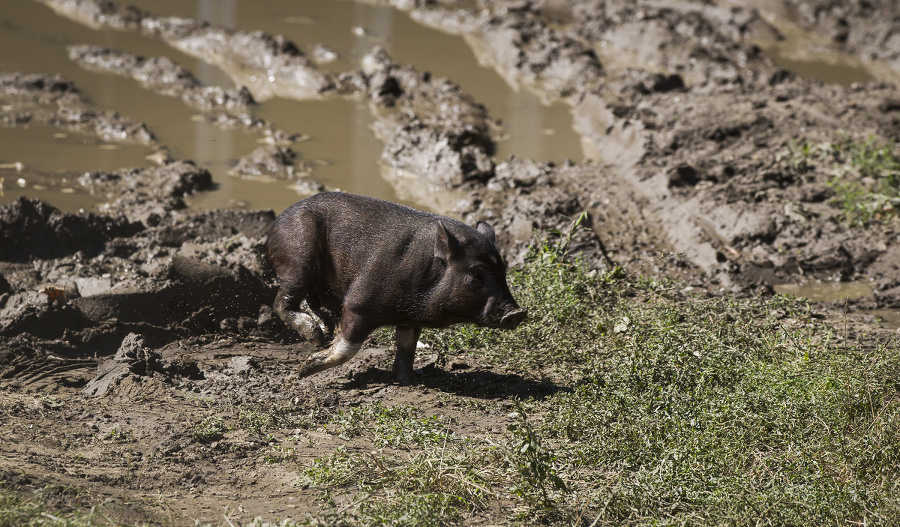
(445, 245)
(486, 230)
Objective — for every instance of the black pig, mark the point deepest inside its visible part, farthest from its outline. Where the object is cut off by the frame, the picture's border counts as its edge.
(372, 263)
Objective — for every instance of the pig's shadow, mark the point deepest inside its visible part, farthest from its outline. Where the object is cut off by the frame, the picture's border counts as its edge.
(471, 383)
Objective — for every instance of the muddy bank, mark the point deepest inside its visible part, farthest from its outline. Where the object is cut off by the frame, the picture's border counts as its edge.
(244, 55)
(162, 75)
(172, 277)
(866, 29)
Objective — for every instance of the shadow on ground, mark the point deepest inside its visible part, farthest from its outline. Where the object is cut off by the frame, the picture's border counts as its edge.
(470, 383)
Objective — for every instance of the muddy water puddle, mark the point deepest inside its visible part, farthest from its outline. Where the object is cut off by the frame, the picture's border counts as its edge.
(28, 169)
(532, 129)
(821, 291)
(804, 53)
(339, 148)
(889, 318)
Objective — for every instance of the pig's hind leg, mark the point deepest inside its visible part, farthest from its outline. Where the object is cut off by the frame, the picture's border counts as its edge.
(350, 337)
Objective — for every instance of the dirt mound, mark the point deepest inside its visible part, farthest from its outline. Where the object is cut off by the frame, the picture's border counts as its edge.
(32, 229)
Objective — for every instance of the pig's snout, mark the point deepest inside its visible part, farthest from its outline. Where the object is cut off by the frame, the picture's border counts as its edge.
(512, 319)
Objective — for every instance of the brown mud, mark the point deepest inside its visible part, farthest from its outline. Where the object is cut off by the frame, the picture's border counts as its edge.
(122, 324)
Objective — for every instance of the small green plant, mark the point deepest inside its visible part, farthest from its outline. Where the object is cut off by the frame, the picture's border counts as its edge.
(210, 429)
(280, 454)
(534, 463)
(256, 422)
(397, 426)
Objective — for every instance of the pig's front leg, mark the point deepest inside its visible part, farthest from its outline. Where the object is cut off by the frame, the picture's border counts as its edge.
(349, 340)
(300, 317)
(407, 338)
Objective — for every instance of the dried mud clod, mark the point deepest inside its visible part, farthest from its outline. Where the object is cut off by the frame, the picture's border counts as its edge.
(174, 274)
(430, 127)
(267, 161)
(32, 229)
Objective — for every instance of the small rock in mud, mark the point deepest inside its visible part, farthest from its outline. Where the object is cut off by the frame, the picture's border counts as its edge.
(683, 176)
(323, 54)
(241, 365)
(307, 186)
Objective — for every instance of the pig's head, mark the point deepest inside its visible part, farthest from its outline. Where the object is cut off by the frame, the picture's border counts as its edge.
(472, 286)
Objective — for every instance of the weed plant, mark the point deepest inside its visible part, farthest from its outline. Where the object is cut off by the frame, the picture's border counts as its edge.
(866, 176)
(440, 477)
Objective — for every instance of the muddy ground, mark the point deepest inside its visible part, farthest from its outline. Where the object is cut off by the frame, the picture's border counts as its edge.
(120, 328)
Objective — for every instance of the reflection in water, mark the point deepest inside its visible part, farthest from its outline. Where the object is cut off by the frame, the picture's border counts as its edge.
(214, 147)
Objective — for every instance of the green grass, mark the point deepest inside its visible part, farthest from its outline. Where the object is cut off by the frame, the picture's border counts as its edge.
(210, 429)
(37, 510)
(866, 176)
(419, 473)
(681, 410)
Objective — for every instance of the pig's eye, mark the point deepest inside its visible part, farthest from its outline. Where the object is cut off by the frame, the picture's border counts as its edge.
(475, 277)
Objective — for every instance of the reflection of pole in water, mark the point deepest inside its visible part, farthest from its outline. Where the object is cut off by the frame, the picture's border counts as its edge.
(378, 23)
(213, 145)
(526, 125)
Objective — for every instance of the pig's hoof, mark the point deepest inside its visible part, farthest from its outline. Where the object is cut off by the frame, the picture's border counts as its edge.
(309, 328)
(314, 364)
(406, 378)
